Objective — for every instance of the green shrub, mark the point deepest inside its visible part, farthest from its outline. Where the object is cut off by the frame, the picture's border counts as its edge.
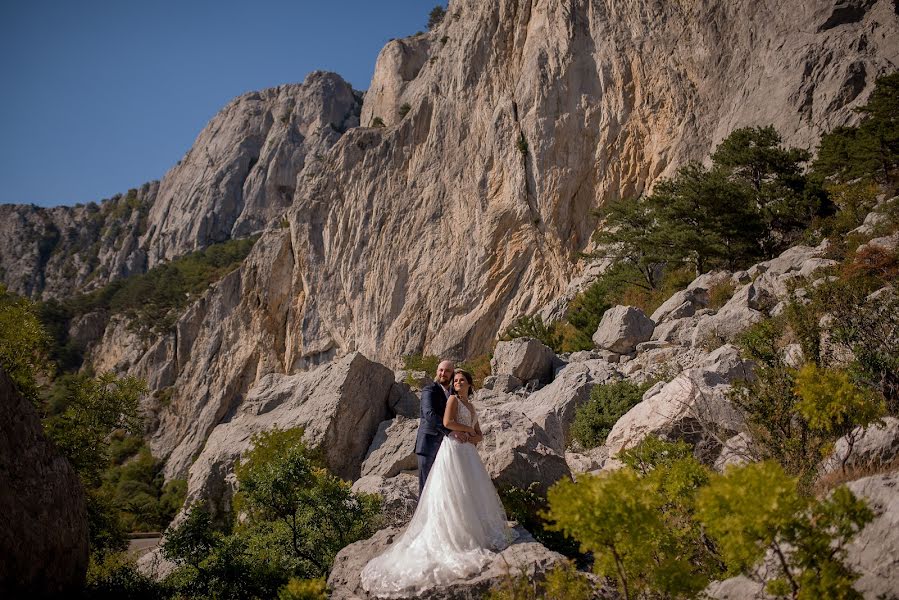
(522, 144)
(404, 109)
(436, 16)
(533, 327)
(757, 508)
(720, 293)
(562, 582)
(421, 362)
(24, 344)
(304, 589)
(527, 507)
(377, 122)
(114, 575)
(640, 526)
(609, 402)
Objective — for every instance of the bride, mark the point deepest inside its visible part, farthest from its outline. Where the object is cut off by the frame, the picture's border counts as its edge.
(459, 522)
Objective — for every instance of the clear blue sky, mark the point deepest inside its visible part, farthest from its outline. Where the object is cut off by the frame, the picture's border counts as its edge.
(101, 96)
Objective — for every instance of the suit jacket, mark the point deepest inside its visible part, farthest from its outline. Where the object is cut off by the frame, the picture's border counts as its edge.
(430, 424)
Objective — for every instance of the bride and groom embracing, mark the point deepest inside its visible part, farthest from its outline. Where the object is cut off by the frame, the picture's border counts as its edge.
(459, 522)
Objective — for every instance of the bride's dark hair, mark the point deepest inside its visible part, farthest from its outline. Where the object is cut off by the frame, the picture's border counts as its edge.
(468, 378)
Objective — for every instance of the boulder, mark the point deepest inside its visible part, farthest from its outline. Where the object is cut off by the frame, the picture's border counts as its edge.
(737, 450)
(553, 407)
(393, 449)
(874, 552)
(727, 362)
(682, 304)
(340, 405)
(399, 495)
(874, 447)
(44, 536)
(502, 383)
(524, 555)
(523, 358)
(518, 452)
(622, 328)
(693, 407)
(588, 460)
(744, 308)
(403, 401)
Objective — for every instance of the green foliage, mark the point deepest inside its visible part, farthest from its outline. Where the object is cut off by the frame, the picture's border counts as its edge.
(377, 122)
(404, 109)
(831, 403)
(639, 525)
(421, 362)
(533, 327)
(134, 484)
(756, 509)
(304, 589)
(152, 300)
(720, 293)
(436, 16)
(870, 150)
(23, 344)
(526, 506)
(594, 420)
(522, 144)
(95, 408)
(114, 575)
(753, 202)
(192, 540)
(282, 482)
(563, 582)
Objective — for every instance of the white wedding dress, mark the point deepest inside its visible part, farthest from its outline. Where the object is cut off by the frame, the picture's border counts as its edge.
(457, 527)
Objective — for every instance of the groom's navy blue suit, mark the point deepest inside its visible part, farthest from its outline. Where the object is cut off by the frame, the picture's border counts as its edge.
(430, 429)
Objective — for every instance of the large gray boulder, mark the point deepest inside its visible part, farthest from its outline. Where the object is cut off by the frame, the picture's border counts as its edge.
(43, 536)
(874, 552)
(393, 449)
(525, 555)
(553, 407)
(872, 447)
(692, 407)
(622, 328)
(339, 405)
(518, 452)
(399, 495)
(524, 359)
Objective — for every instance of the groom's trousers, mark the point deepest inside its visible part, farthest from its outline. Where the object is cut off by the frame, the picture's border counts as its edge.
(424, 467)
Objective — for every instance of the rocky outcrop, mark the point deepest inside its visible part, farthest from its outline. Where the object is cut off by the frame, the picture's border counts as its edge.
(553, 407)
(524, 359)
(622, 328)
(692, 407)
(871, 448)
(520, 121)
(393, 449)
(241, 172)
(874, 552)
(399, 495)
(44, 537)
(57, 252)
(524, 555)
(338, 405)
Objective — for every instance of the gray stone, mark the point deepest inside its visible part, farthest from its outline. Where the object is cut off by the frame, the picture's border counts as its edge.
(403, 401)
(682, 304)
(622, 328)
(737, 450)
(524, 359)
(399, 495)
(44, 537)
(874, 552)
(693, 407)
(872, 448)
(393, 448)
(502, 383)
(524, 555)
(553, 407)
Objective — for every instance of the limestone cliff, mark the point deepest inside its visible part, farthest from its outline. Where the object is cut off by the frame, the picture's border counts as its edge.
(512, 120)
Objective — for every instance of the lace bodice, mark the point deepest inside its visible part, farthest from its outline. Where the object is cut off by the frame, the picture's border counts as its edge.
(464, 416)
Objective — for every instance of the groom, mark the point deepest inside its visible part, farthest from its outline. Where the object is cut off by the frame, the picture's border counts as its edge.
(430, 426)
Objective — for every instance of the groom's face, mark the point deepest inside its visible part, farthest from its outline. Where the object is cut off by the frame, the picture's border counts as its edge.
(445, 373)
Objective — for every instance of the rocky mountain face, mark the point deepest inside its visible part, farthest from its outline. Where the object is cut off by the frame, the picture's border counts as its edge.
(44, 538)
(238, 177)
(241, 172)
(57, 252)
(511, 121)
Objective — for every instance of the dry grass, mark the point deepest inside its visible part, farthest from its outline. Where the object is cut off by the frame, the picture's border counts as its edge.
(831, 481)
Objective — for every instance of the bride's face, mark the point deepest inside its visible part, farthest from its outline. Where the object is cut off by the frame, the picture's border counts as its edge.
(460, 384)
